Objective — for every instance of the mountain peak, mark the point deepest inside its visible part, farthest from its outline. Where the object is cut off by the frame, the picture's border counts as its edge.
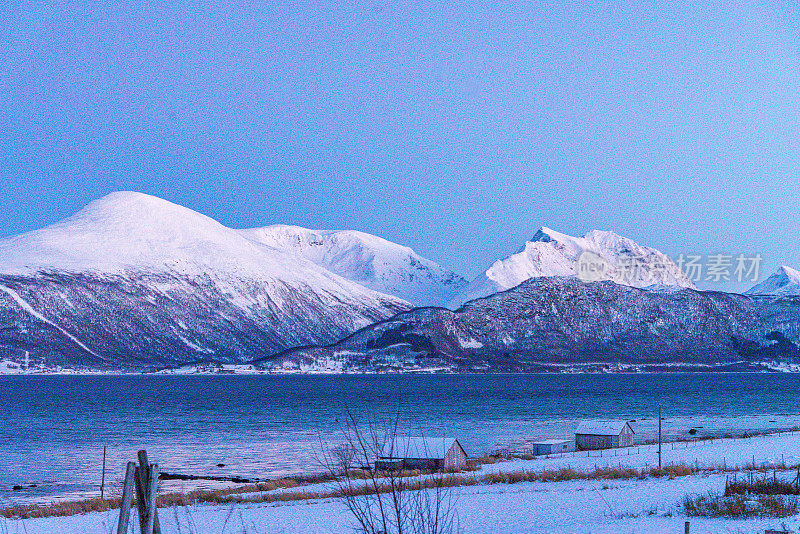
(121, 198)
(133, 209)
(551, 253)
(128, 230)
(366, 259)
(547, 235)
(542, 235)
(785, 281)
(127, 257)
(789, 273)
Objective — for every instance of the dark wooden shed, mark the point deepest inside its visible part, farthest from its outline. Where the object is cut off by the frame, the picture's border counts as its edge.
(593, 435)
(422, 453)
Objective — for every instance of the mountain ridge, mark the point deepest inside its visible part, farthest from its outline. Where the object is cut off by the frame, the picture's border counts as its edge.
(368, 260)
(134, 281)
(551, 253)
(784, 282)
(558, 323)
(131, 269)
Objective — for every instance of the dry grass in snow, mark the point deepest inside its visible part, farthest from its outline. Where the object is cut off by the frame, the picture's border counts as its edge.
(262, 493)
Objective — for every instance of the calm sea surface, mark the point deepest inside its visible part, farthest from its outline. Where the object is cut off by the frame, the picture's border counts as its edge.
(53, 428)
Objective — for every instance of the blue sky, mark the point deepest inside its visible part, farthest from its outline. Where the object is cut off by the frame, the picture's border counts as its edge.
(457, 129)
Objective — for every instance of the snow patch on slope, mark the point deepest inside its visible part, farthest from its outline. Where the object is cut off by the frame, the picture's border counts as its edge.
(28, 308)
(470, 343)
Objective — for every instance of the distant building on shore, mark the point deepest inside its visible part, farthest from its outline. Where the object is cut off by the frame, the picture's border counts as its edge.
(593, 435)
(552, 446)
(422, 453)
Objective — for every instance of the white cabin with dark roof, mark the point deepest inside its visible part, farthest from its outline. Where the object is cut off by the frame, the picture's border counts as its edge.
(552, 446)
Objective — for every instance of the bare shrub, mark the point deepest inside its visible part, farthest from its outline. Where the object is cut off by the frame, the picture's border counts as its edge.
(387, 502)
(486, 460)
(740, 506)
(761, 486)
(27, 511)
(615, 473)
(674, 470)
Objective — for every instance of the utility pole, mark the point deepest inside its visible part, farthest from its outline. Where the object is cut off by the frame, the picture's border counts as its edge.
(659, 438)
(103, 479)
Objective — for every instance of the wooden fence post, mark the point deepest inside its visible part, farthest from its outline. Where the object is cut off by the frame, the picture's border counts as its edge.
(142, 455)
(127, 497)
(147, 468)
(145, 478)
(152, 490)
(141, 498)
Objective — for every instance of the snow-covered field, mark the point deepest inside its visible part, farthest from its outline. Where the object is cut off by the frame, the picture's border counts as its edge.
(569, 507)
(590, 506)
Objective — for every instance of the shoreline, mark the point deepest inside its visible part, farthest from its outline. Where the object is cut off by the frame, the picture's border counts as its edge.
(638, 493)
(269, 444)
(76, 372)
(186, 483)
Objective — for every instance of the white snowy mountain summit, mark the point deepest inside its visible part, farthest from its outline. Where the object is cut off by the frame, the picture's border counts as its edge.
(130, 265)
(784, 282)
(132, 232)
(127, 232)
(371, 261)
(550, 253)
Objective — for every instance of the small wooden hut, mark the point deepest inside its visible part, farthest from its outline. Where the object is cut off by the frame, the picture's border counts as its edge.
(422, 453)
(593, 435)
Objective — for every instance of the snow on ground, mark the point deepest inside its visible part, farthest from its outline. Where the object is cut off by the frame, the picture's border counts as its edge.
(599, 507)
(730, 452)
(591, 506)
(212, 369)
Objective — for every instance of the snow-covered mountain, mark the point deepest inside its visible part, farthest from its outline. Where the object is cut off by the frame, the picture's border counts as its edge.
(599, 255)
(134, 281)
(130, 270)
(785, 282)
(562, 323)
(366, 259)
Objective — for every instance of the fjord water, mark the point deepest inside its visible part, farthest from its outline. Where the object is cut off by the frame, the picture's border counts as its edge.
(53, 428)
